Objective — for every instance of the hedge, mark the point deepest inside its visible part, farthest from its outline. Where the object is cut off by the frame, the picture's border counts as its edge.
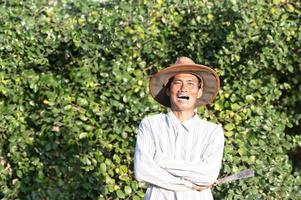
(74, 87)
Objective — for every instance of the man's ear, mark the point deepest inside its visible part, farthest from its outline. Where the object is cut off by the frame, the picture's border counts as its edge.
(167, 92)
(200, 92)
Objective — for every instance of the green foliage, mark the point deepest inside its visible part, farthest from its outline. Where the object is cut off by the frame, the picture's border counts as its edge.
(73, 88)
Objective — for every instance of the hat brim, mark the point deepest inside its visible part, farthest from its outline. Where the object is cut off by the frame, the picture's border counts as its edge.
(211, 83)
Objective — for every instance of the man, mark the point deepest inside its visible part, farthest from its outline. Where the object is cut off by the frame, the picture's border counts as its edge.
(179, 154)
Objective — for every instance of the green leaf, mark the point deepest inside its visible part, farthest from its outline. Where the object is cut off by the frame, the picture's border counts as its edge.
(103, 167)
(83, 135)
(128, 190)
(229, 127)
(228, 133)
(120, 194)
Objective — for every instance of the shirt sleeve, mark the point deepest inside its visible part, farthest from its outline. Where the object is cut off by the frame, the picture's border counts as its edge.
(204, 172)
(145, 167)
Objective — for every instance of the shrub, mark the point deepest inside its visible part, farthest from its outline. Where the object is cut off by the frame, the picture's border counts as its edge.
(73, 88)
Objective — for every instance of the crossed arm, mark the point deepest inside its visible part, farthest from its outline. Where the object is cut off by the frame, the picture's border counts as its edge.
(176, 175)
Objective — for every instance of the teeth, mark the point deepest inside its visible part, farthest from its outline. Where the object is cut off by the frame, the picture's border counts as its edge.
(184, 97)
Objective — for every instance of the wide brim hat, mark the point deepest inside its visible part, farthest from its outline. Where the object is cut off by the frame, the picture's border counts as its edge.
(158, 83)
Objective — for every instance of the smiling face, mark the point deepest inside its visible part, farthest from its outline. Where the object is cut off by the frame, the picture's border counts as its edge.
(183, 92)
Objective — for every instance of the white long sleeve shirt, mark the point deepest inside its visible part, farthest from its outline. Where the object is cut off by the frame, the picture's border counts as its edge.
(171, 156)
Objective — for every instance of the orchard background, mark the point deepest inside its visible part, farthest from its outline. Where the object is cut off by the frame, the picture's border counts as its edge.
(74, 87)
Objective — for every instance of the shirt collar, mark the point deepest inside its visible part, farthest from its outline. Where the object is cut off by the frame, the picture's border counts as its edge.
(188, 124)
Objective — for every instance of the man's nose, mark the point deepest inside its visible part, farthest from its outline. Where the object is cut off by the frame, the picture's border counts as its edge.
(184, 87)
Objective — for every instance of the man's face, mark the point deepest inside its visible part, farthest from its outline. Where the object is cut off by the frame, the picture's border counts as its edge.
(183, 92)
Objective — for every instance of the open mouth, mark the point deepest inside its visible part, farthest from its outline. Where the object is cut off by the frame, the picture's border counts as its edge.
(183, 97)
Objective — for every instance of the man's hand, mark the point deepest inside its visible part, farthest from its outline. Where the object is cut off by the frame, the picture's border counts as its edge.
(201, 187)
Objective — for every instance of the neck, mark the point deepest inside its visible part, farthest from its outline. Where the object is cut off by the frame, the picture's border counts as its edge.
(183, 115)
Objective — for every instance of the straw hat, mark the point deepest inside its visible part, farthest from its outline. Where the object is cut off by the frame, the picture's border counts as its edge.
(210, 81)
